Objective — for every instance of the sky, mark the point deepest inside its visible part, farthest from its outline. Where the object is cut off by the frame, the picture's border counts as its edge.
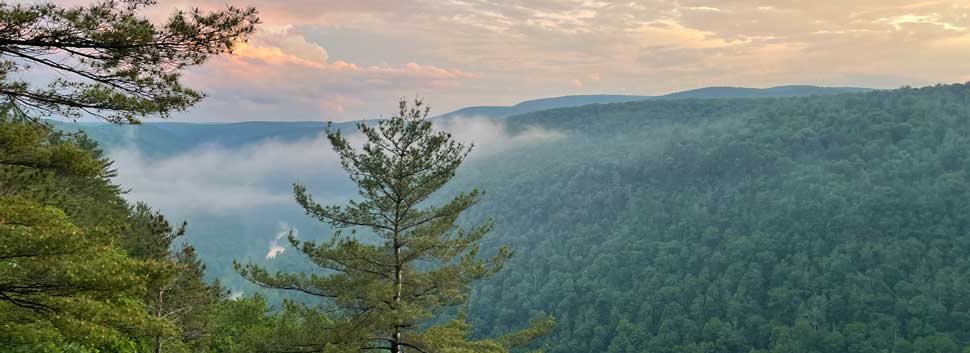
(345, 60)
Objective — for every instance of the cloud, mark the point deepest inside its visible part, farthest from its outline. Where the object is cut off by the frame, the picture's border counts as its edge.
(898, 22)
(703, 8)
(669, 32)
(299, 80)
(341, 60)
(275, 248)
(491, 136)
(215, 179)
(288, 42)
(212, 179)
(286, 47)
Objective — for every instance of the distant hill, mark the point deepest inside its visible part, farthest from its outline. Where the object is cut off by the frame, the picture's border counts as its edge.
(158, 139)
(833, 223)
(539, 104)
(706, 93)
(773, 92)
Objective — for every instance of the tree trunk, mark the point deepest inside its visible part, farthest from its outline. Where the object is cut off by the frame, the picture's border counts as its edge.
(158, 314)
(398, 289)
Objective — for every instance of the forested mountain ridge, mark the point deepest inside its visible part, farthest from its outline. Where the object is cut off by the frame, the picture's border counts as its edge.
(820, 224)
(535, 105)
(789, 219)
(815, 224)
(158, 139)
(771, 92)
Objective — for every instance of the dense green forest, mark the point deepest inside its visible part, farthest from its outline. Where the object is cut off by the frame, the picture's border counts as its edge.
(82, 270)
(716, 220)
(821, 224)
(811, 224)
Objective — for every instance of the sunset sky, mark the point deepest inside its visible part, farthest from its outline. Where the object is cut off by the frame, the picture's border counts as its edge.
(352, 59)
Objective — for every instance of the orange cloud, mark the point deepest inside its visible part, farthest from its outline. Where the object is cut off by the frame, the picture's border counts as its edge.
(671, 32)
(459, 53)
(284, 47)
(274, 55)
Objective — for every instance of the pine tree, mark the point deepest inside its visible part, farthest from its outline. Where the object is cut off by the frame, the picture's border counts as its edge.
(66, 282)
(390, 292)
(185, 299)
(64, 279)
(112, 63)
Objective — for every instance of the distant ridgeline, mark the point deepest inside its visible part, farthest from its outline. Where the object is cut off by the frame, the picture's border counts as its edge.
(159, 139)
(830, 223)
(708, 92)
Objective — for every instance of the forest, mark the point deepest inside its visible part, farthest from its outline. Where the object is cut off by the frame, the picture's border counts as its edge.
(821, 224)
(790, 219)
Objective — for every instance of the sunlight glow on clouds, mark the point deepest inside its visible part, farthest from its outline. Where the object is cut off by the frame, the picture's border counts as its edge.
(343, 59)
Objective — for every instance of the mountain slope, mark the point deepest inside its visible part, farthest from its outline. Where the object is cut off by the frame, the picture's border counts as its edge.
(835, 223)
(500, 112)
(772, 92)
(821, 224)
(160, 139)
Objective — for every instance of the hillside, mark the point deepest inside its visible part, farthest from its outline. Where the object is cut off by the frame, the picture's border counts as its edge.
(159, 139)
(530, 106)
(833, 223)
(500, 112)
(822, 224)
(772, 92)
(474, 176)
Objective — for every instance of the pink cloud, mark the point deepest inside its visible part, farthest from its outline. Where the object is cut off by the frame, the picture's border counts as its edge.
(282, 46)
(311, 56)
(279, 75)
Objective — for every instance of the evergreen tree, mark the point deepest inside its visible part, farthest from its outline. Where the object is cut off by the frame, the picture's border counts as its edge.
(64, 279)
(185, 299)
(67, 282)
(113, 63)
(388, 292)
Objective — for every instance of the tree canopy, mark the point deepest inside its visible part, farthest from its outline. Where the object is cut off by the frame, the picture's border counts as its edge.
(388, 288)
(111, 62)
(64, 279)
(819, 224)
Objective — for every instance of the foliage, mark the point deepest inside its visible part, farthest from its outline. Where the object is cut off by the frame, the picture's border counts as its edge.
(64, 280)
(79, 268)
(417, 262)
(821, 224)
(112, 63)
(185, 299)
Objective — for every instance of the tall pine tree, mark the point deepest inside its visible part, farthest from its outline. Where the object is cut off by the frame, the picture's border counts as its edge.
(184, 299)
(65, 281)
(111, 62)
(389, 292)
